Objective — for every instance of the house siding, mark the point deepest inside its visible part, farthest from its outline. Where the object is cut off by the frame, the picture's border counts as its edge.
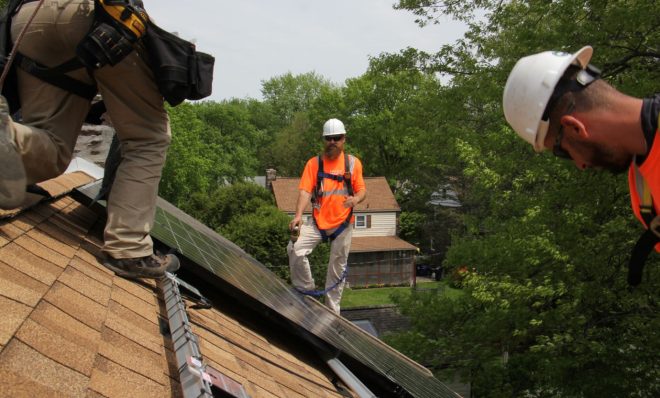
(382, 224)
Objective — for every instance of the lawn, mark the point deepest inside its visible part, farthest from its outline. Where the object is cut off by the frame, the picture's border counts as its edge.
(382, 295)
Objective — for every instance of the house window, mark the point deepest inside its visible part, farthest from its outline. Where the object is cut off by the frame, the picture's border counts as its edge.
(361, 221)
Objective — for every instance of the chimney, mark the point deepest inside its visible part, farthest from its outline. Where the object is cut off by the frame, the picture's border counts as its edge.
(271, 175)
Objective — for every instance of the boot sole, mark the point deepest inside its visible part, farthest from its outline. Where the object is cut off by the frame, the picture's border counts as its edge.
(131, 275)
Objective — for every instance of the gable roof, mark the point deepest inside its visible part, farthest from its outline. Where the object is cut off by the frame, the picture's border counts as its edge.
(71, 327)
(379, 195)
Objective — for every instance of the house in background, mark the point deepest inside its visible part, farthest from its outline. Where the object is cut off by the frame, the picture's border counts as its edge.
(377, 255)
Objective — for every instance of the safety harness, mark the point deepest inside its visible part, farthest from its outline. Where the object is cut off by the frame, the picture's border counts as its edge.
(650, 237)
(318, 193)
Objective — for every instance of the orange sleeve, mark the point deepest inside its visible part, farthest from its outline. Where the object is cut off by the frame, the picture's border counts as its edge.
(356, 178)
(308, 178)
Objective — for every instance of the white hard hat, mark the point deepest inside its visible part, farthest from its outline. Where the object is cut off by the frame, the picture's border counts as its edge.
(333, 127)
(529, 88)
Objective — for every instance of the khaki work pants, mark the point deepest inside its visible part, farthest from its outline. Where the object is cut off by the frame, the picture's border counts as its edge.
(52, 119)
(301, 274)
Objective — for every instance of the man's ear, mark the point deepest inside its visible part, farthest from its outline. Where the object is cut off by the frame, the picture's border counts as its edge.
(573, 125)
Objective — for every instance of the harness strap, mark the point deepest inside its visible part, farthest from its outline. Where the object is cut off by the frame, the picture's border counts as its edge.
(56, 75)
(650, 237)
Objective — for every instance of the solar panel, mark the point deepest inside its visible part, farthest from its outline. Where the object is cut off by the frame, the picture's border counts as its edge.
(230, 263)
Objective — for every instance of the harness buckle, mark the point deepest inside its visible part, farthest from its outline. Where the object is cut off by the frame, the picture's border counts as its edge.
(654, 226)
(347, 175)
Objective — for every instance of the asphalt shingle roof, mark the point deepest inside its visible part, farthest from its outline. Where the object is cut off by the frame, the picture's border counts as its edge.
(70, 327)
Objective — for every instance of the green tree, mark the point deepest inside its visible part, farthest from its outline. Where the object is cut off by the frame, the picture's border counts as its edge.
(212, 144)
(289, 94)
(263, 234)
(225, 203)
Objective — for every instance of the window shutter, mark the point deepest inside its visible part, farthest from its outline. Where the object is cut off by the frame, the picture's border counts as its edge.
(368, 220)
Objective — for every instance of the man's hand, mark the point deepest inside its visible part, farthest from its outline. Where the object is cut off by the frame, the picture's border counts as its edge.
(297, 221)
(350, 201)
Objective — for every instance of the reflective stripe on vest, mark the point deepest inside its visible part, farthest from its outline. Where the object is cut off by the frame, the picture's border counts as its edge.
(650, 238)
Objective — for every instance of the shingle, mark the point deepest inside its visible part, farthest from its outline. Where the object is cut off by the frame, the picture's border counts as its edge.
(43, 210)
(220, 367)
(140, 307)
(70, 224)
(36, 216)
(75, 179)
(216, 354)
(85, 285)
(134, 327)
(3, 241)
(78, 306)
(30, 365)
(55, 347)
(23, 223)
(254, 390)
(38, 249)
(81, 215)
(13, 315)
(10, 231)
(66, 326)
(19, 286)
(113, 380)
(58, 234)
(253, 367)
(92, 255)
(52, 243)
(289, 393)
(20, 385)
(26, 262)
(57, 205)
(95, 271)
(145, 293)
(53, 187)
(288, 381)
(133, 356)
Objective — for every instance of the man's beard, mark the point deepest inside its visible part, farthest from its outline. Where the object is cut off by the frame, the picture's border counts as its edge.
(606, 159)
(332, 151)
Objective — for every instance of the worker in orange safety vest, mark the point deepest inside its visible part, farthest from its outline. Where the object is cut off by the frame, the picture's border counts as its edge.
(557, 101)
(334, 184)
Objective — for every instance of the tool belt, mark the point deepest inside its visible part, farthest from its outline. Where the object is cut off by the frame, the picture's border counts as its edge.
(119, 25)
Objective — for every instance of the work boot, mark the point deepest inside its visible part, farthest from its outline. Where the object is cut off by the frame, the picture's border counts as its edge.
(12, 173)
(153, 266)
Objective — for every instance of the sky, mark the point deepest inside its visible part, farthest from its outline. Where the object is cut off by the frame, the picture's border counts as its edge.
(255, 40)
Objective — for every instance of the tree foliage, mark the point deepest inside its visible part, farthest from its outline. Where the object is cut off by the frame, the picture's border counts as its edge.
(546, 310)
(212, 144)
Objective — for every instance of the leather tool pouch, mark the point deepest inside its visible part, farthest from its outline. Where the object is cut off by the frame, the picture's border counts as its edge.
(180, 70)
